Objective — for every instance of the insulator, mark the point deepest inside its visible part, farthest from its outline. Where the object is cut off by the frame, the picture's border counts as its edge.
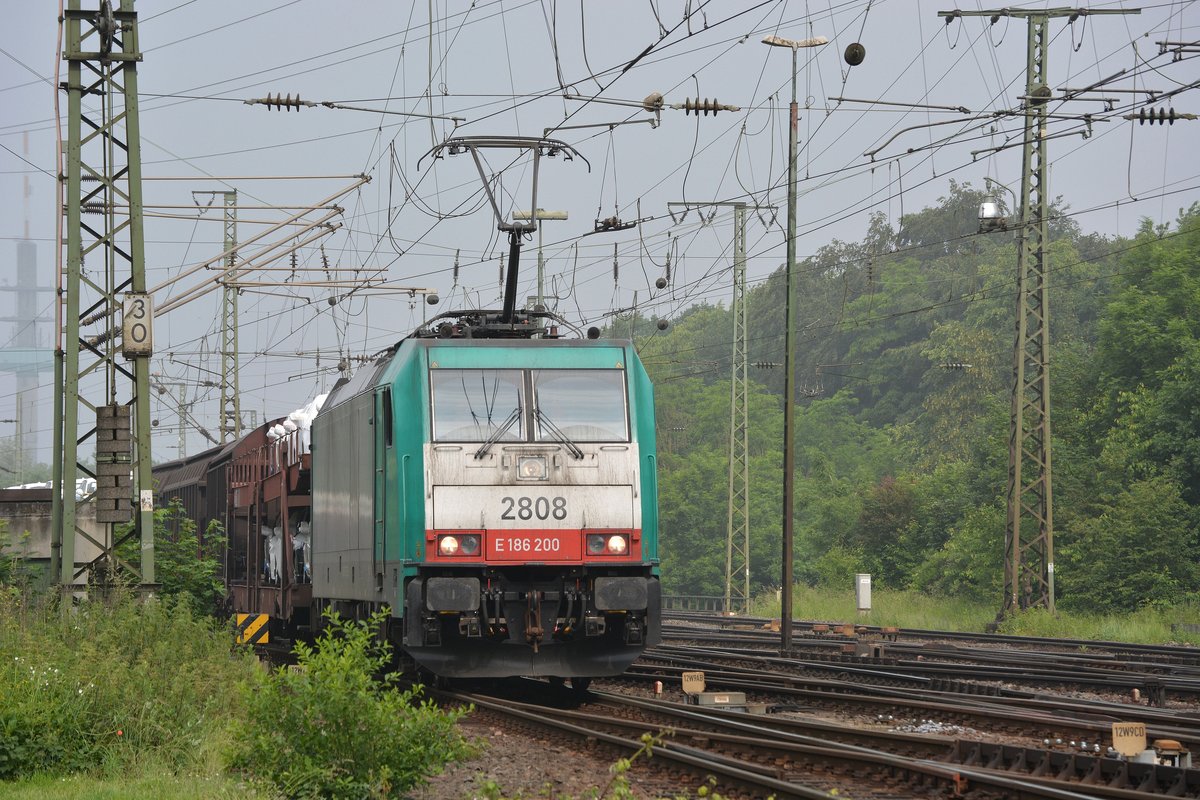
(279, 102)
(324, 259)
(93, 318)
(456, 267)
(616, 266)
(294, 262)
(704, 106)
(1163, 117)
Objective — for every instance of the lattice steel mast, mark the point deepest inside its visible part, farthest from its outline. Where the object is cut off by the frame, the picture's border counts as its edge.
(737, 550)
(1029, 530)
(231, 404)
(97, 379)
(737, 545)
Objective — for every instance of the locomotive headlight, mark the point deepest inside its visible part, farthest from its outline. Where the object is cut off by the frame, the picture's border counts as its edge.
(531, 468)
(458, 544)
(600, 544)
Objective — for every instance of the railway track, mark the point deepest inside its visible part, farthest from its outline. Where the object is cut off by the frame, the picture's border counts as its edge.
(857, 690)
(788, 755)
(1172, 653)
(878, 713)
(1154, 673)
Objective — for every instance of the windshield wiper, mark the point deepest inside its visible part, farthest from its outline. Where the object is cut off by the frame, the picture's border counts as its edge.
(557, 434)
(495, 437)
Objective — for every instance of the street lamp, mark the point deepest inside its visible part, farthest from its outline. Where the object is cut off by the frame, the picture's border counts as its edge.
(789, 361)
(542, 214)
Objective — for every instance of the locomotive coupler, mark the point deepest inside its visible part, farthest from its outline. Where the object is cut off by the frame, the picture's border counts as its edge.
(533, 619)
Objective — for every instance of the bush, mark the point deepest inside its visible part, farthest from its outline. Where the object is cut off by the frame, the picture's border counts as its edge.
(183, 565)
(329, 728)
(112, 685)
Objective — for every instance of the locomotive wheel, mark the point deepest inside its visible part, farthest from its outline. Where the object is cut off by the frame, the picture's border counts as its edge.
(580, 685)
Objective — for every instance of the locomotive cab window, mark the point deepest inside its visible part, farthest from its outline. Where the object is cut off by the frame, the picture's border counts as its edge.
(477, 405)
(575, 405)
(586, 405)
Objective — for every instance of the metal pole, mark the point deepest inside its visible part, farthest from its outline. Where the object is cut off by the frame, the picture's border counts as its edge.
(789, 400)
(737, 541)
(1029, 526)
(66, 456)
(92, 372)
(541, 298)
(143, 463)
(231, 403)
(737, 547)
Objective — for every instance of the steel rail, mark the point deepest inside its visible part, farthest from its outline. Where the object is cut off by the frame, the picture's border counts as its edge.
(1001, 667)
(982, 712)
(1181, 651)
(740, 773)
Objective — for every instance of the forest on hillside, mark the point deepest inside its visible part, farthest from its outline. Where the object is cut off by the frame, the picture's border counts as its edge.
(904, 366)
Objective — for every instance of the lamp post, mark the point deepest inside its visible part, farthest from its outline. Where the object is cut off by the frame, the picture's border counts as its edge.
(542, 214)
(789, 402)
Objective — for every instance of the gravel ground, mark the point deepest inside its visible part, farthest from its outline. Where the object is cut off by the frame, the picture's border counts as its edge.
(519, 765)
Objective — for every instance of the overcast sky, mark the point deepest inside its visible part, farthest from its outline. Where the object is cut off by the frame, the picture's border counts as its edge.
(502, 67)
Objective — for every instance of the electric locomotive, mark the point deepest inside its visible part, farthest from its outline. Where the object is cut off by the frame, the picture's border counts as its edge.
(497, 491)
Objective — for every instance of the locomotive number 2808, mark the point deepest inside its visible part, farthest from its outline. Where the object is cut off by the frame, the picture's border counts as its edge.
(527, 508)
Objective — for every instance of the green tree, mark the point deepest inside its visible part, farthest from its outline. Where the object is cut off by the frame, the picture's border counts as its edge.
(182, 567)
(1130, 555)
(970, 564)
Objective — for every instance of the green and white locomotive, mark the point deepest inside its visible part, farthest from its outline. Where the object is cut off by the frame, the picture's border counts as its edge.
(494, 485)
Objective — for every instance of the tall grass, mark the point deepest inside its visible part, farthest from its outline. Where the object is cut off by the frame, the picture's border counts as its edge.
(113, 687)
(906, 609)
